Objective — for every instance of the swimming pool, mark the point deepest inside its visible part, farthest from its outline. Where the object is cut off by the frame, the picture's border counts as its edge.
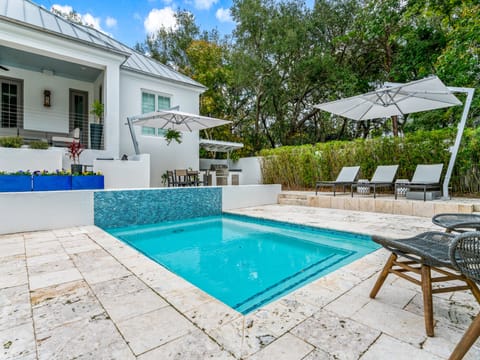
(242, 261)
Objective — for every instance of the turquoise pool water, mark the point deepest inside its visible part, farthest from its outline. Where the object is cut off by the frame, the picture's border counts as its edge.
(242, 261)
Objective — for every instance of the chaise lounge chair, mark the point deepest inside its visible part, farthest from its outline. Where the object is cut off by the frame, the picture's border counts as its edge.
(425, 177)
(457, 222)
(346, 177)
(383, 177)
(424, 253)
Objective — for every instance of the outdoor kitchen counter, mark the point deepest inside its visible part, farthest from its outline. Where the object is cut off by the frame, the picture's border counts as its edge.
(212, 174)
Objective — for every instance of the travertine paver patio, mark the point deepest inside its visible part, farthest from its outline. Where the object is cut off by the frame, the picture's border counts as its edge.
(80, 293)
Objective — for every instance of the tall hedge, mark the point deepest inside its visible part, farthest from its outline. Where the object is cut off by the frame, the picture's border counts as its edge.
(298, 167)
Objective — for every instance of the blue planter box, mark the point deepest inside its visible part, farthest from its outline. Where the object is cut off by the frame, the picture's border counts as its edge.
(52, 182)
(14, 183)
(87, 182)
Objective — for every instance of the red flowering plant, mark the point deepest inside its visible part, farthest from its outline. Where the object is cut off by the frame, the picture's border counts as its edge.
(74, 151)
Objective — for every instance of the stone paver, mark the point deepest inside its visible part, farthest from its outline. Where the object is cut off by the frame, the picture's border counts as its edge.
(193, 346)
(342, 337)
(153, 329)
(288, 347)
(396, 350)
(14, 306)
(81, 293)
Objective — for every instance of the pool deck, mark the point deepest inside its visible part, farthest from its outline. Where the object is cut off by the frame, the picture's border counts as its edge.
(80, 293)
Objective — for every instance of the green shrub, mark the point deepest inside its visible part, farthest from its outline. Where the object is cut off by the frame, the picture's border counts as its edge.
(38, 145)
(11, 142)
(299, 167)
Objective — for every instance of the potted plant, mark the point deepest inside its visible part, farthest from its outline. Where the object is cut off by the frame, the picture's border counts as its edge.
(96, 128)
(172, 134)
(74, 151)
(48, 181)
(88, 180)
(15, 181)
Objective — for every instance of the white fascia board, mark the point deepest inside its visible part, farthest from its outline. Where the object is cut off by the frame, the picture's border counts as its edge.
(162, 80)
(43, 43)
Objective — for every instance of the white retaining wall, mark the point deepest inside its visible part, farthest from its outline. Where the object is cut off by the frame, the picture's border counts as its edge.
(125, 174)
(12, 160)
(236, 197)
(45, 210)
(59, 209)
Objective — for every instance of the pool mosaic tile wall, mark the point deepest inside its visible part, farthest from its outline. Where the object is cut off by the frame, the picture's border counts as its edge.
(136, 207)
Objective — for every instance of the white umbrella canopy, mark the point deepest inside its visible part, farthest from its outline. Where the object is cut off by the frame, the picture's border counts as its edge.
(177, 120)
(416, 96)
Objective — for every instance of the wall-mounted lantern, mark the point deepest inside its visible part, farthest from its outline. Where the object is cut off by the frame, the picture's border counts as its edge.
(47, 98)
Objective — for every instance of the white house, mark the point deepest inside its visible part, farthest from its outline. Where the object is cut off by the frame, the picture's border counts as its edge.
(52, 70)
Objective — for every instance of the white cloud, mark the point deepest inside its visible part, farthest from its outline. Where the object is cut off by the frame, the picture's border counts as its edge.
(223, 15)
(92, 21)
(87, 18)
(204, 4)
(111, 22)
(66, 9)
(160, 18)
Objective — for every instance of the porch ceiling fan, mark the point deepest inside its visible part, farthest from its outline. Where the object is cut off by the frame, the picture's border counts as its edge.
(4, 68)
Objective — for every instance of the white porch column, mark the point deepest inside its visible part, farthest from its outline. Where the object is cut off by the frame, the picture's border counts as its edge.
(112, 110)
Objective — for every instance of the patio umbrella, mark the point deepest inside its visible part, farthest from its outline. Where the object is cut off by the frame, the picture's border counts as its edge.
(172, 119)
(177, 120)
(400, 99)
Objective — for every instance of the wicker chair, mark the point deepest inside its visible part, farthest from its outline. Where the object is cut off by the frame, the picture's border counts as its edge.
(457, 222)
(465, 256)
(425, 253)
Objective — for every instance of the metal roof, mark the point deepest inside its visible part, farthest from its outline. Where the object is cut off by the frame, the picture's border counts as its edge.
(219, 146)
(29, 14)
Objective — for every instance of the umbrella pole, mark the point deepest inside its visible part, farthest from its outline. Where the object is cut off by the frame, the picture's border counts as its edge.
(458, 139)
(132, 134)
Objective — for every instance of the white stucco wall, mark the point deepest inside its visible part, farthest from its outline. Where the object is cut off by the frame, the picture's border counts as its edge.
(120, 174)
(163, 157)
(12, 160)
(44, 210)
(251, 171)
(38, 117)
(237, 197)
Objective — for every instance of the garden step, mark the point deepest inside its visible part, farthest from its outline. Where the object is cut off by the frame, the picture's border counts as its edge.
(382, 204)
(293, 199)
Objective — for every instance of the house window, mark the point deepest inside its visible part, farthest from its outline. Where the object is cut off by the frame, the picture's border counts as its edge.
(153, 102)
(11, 103)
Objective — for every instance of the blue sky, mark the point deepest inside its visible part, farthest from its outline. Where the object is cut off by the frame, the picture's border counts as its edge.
(130, 20)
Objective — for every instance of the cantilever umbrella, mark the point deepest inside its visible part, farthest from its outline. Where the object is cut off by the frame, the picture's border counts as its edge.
(400, 99)
(172, 119)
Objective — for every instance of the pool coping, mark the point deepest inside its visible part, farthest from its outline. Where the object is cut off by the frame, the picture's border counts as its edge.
(332, 316)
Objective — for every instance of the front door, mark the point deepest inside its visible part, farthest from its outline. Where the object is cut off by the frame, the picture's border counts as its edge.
(79, 114)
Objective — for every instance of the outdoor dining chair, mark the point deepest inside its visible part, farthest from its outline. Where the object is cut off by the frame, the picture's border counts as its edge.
(181, 177)
(425, 177)
(346, 177)
(465, 256)
(193, 178)
(421, 255)
(382, 178)
(457, 222)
